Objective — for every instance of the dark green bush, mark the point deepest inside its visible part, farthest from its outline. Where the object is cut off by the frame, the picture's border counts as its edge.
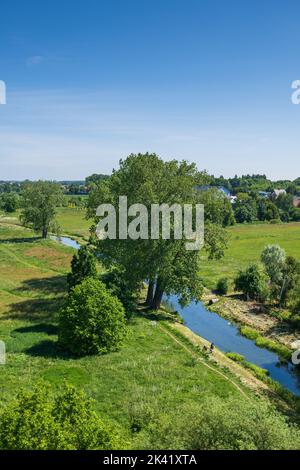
(83, 265)
(223, 286)
(92, 320)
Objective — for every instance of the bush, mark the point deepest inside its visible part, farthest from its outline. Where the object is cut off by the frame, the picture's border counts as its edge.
(92, 320)
(223, 286)
(37, 420)
(224, 424)
(252, 282)
(83, 265)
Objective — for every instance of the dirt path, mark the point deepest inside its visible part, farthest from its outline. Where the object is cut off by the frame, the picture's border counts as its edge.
(193, 354)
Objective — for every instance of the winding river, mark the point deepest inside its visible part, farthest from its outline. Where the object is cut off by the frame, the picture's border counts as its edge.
(227, 338)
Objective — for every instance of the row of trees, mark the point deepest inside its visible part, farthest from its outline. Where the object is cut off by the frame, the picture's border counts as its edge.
(250, 207)
(256, 183)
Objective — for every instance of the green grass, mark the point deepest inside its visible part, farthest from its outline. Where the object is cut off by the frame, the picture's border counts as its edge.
(264, 342)
(259, 372)
(245, 246)
(150, 366)
(73, 222)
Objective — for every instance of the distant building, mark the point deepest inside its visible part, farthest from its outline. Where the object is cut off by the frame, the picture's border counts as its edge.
(296, 201)
(278, 192)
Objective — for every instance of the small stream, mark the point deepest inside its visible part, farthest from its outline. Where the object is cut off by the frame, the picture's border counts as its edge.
(227, 338)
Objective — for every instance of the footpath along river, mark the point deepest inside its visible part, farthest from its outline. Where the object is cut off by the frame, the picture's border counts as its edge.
(227, 338)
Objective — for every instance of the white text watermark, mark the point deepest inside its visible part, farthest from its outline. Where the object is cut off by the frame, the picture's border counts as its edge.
(296, 93)
(163, 220)
(2, 92)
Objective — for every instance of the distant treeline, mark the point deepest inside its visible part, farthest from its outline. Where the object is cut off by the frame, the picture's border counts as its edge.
(71, 187)
(246, 183)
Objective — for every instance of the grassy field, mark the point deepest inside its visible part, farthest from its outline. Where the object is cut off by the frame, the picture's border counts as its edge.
(73, 222)
(246, 243)
(150, 367)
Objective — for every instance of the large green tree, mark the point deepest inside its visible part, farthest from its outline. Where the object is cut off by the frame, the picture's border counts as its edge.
(165, 263)
(39, 202)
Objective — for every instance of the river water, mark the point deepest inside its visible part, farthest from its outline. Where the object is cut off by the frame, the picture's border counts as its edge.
(227, 338)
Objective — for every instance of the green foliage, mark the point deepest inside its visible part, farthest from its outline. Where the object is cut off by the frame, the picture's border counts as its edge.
(267, 210)
(235, 357)
(252, 282)
(39, 203)
(273, 257)
(245, 210)
(92, 320)
(267, 343)
(121, 287)
(147, 179)
(38, 420)
(9, 202)
(223, 286)
(260, 373)
(217, 207)
(223, 424)
(250, 333)
(83, 265)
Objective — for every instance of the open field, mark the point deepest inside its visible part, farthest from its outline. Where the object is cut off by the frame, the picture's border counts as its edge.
(151, 367)
(73, 222)
(245, 246)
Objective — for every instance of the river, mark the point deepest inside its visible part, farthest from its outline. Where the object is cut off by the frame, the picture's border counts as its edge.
(227, 338)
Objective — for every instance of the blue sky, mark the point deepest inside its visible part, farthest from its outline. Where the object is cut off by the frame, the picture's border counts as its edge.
(204, 80)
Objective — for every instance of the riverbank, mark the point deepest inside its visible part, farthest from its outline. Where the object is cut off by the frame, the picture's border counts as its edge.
(250, 315)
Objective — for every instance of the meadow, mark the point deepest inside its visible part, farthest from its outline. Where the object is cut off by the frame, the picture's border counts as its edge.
(151, 368)
(245, 245)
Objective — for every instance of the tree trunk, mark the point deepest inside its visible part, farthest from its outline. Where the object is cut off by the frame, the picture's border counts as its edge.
(150, 292)
(155, 304)
(44, 232)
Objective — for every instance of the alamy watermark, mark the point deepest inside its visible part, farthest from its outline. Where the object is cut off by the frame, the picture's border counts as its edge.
(296, 357)
(2, 353)
(2, 92)
(296, 93)
(136, 222)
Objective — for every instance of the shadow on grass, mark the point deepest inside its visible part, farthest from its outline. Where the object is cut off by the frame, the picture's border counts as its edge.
(34, 309)
(20, 240)
(49, 285)
(47, 328)
(49, 349)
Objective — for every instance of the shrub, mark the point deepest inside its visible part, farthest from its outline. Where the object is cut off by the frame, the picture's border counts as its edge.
(83, 265)
(229, 424)
(223, 286)
(37, 420)
(252, 282)
(92, 320)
